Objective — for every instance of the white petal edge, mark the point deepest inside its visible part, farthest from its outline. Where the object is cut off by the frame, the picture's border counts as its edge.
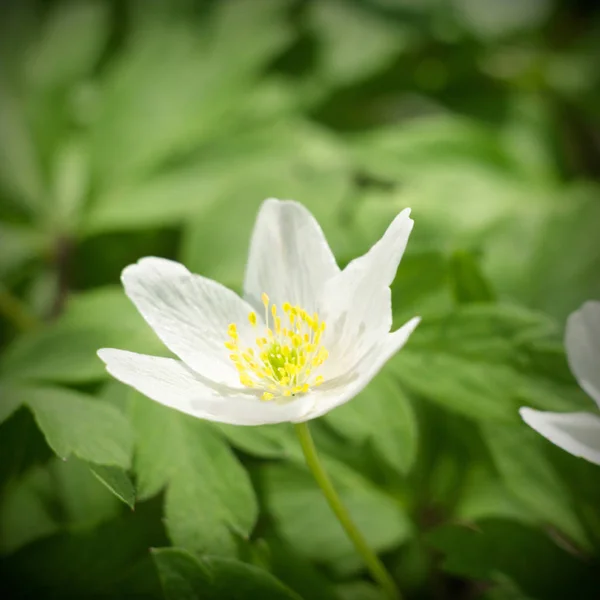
(189, 313)
(582, 341)
(169, 382)
(357, 303)
(289, 258)
(328, 399)
(576, 433)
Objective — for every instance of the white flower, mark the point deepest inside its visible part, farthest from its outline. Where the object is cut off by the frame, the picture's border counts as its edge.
(577, 433)
(307, 337)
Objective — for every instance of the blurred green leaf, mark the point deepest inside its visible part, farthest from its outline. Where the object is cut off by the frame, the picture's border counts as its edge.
(65, 351)
(209, 498)
(304, 519)
(20, 169)
(26, 512)
(298, 162)
(560, 280)
(69, 186)
(490, 19)
(485, 496)
(82, 25)
(490, 550)
(354, 42)
(481, 357)
(518, 455)
(359, 590)
(110, 560)
(75, 424)
(383, 416)
(169, 78)
(185, 577)
(296, 571)
(416, 147)
(468, 282)
(19, 244)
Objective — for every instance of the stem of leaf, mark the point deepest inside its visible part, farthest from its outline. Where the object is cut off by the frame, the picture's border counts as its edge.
(15, 312)
(375, 566)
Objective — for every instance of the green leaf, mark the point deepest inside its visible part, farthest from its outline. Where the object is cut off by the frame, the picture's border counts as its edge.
(485, 496)
(209, 498)
(481, 356)
(108, 561)
(65, 351)
(20, 168)
(488, 551)
(117, 481)
(518, 455)
(266, 441)
(353, 41)
(185, 577)
(188, 80)
(54, 497)
(296, 161)
(316, 533)
(382, 415)
(76, 424)
(557, 281)
(296, 571)
(468, 282)
(418, 146)
(51, 60)
(18, 245)
(25, 512)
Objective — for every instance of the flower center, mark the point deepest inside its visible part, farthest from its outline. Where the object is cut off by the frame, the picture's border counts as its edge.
(285, 356)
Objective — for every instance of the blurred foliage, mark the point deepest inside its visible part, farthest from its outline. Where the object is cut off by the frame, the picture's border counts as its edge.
(157, 128)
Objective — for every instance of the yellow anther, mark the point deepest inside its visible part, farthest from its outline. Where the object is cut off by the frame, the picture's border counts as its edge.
(281, 359)
(245, 380)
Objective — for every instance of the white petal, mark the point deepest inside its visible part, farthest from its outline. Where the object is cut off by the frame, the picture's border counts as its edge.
(171, 383)
(289, 257)
(577, 433)
(583, 347)
(336, 393)
(189, 313)
(356, 304)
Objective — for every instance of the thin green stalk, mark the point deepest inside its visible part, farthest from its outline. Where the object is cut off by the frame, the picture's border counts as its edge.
(15, 312)
(375, 566)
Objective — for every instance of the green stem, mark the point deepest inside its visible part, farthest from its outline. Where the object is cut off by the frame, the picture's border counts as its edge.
(373, 563)
(14, 310)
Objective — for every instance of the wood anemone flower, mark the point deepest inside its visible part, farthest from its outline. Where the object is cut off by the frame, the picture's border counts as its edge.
(306, 337)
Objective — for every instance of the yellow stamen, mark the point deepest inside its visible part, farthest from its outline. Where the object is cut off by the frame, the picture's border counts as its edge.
(282, 359)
